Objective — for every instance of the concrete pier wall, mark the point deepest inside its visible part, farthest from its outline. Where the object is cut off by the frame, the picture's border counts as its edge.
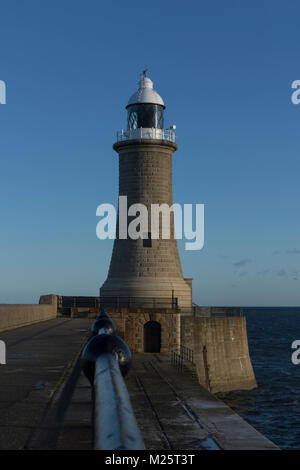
(221, 353)
(17, 315)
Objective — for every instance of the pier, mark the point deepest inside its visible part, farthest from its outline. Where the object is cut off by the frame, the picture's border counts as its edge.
(46, 400)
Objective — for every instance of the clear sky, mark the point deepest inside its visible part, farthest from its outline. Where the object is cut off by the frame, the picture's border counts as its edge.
(224, 69)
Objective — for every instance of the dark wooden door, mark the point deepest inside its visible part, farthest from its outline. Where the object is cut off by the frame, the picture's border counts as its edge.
(152, 336)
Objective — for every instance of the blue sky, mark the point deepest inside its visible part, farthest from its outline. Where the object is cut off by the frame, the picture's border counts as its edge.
(224, 69)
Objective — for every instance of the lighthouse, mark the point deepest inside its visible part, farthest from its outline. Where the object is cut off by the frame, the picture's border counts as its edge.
(146, 272)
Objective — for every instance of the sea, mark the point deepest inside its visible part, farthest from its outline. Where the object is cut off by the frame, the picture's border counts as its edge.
(273, 408)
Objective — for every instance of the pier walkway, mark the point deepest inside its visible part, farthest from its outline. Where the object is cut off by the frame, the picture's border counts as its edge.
(173, 411)
(40, 362)
(45, 400)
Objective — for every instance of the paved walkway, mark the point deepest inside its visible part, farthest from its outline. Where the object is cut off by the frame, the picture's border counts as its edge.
(40, 361)
(45, 400)
(175, 412)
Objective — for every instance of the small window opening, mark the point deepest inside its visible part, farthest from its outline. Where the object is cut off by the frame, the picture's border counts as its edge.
(147, 241)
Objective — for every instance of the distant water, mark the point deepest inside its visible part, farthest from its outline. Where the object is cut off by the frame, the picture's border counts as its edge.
(274, 407)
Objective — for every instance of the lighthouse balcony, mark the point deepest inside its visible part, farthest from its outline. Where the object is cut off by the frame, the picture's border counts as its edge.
(146, 133)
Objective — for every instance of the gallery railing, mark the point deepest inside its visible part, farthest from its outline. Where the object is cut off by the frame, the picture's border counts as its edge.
(198, 311)
(105, 360)
(68, 302)
(146, 133)
(143, 302)
(78, 302)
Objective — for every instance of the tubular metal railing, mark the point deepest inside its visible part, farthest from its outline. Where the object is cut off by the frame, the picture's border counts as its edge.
(143, 302)
(64, 301)
(197, 311)
(105, 360)
(177, 360)
(185, 354)
(146, 133)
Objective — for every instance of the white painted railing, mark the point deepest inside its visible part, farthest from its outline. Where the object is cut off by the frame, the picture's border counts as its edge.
(146, 133)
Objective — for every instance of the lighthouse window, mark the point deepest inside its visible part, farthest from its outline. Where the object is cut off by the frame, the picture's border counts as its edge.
(147, 241)
(160, 119)
(132, 120)
(146, 115)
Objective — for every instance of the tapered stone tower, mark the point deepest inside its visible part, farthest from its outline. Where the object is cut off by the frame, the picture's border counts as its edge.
(146, 270)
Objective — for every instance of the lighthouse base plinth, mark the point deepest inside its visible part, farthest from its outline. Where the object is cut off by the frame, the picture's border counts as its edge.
(147, 291)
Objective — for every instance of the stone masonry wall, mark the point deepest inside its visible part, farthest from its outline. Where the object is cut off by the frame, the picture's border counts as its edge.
(132, 326)
(145, 176)
(15, 316)
(221, 352)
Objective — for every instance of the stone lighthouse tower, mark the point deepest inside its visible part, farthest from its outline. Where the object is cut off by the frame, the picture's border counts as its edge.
(146, 272)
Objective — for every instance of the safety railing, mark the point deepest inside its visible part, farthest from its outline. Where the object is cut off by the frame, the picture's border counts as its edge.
(184, 354)
(177, 360)
(197, 311)
(77, 302)
(187, 354)
(136, 302)
(105, 360)
(146, 133)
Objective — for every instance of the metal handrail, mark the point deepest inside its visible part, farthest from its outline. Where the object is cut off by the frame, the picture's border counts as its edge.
(207, 312)
(187, 353)
(105, 360)
(146, 302)
(146, 133)
(177, 360)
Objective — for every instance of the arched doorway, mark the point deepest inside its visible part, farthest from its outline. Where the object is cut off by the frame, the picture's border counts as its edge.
(152, 336)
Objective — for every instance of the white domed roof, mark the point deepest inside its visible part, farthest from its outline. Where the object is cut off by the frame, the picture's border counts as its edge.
(145, 93)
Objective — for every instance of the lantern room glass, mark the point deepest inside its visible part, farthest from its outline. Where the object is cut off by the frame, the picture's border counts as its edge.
(145, 115)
